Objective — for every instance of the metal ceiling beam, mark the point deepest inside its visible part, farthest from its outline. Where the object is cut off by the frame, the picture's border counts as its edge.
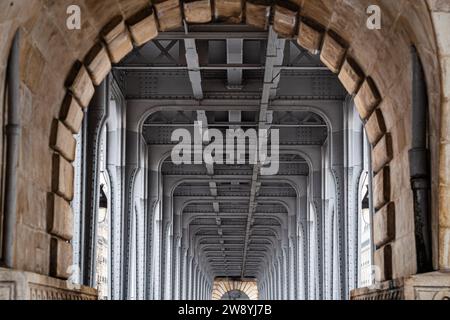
(275, 51)
(203, 119)
(235, 55)
(212, 35)
(193, 66)
(219, 31)
(237, 66)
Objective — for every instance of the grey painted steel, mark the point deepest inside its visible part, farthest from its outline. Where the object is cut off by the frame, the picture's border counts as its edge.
(194, 68)
(92, 128)
(235, 55)
(296, 234)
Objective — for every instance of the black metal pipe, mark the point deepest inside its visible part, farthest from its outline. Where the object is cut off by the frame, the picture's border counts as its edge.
(12, 152)
(419, 166)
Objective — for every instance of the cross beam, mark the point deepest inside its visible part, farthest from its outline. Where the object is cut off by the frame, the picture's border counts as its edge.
(274, 56)
(235, 55)
(203, 119)
(193, 66)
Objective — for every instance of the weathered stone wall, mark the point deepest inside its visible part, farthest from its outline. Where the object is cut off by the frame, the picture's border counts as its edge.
(440, 12)
(49, 50)
(373, 64)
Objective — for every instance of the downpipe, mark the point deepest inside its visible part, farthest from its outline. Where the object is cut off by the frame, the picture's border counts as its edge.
(12, 152)
(419, 167)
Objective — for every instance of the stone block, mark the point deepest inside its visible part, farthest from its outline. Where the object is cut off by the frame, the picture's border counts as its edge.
(32, 248)
(143, 27)
(309, 37)
(117, 39)
(80, 84)
(120, 47)
(257, 13)
(285, 18)
(384, 225)
(444, 248)
(428, 286)
(383, 260)
(333, 52)
(169, 14)
(351, 76)
(61, 253)
(444, 200)
(71, 114)
(197, 11)
(63, 177)
(381, 188)
(375, 127)
(404, 255)
(60, 218)
(62, 140)
(32, 65)
(228, 10)
(97, 63)
(367, 98)
(382, 153)
(113, 29)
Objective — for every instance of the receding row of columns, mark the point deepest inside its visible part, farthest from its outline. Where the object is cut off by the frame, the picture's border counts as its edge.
(314, 260)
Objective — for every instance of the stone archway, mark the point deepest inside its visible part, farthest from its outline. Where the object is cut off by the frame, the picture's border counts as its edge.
(229, 289)
(373, 66)
(118, 37)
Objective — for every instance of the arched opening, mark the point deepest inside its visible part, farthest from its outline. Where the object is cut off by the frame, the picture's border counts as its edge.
(327, 238)
(370, 79)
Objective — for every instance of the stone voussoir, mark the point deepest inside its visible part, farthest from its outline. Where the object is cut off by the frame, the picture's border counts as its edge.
(229, 11)
(71, 113)
(384, 225)
(382, 153)
(60, 258)
(333, 52)
(63, 177)
(60, 220)
(80, 84)
(257, 13)
(98, 63)
(117, 39)
(383, 260)
(381, 186)
(309, 36)
(62, 140)
(285, 18)
(351, 76)
(197, 11)
(143, 26)
(367, 98)
(375, 127)
(169, 14)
